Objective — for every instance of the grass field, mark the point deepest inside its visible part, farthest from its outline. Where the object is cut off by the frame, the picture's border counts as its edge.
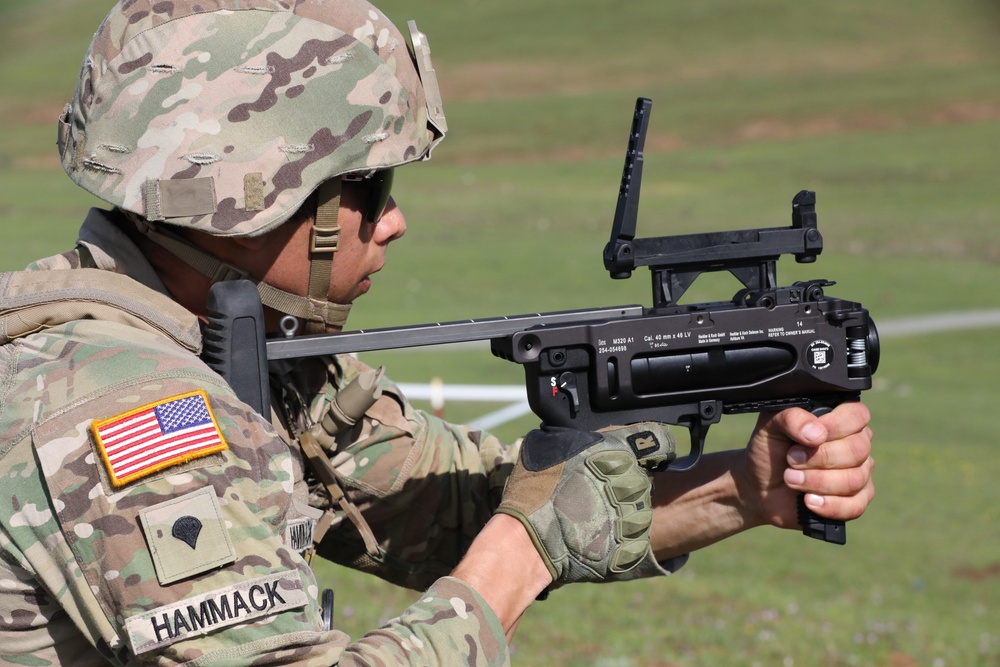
(889, 110)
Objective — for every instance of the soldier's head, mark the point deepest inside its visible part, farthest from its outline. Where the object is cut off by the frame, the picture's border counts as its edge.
(226, 120)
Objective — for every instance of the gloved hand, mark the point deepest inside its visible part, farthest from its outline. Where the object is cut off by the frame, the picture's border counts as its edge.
(584, 498)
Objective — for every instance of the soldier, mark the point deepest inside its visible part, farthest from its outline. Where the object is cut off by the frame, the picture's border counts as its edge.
(150, 517)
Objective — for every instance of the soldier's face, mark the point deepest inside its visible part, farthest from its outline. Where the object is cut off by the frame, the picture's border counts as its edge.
(281, 257)
(363, 244)
(361, 251)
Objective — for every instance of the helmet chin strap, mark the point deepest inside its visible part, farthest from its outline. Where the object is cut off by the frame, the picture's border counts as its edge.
(315, 310)
(325, 239)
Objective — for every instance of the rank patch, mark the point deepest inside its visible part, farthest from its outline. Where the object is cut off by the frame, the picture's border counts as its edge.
(187, 535)
(158, 435)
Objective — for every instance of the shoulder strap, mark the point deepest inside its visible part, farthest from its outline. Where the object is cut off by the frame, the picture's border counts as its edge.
(31, 301)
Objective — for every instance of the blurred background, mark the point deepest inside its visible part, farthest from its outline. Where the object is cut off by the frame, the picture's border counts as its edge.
(889, 110)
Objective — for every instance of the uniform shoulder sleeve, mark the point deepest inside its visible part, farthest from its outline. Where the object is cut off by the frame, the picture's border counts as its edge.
(152, 504)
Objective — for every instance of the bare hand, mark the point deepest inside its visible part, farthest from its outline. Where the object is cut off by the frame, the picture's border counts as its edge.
(828, 458)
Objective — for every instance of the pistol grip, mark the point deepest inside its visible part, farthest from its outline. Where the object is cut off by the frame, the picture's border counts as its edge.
(813, 525)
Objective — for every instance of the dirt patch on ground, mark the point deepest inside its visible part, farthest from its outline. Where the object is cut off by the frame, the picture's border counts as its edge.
(977, 573)
(477, 81)
(754, 130)
(900, 659)
(779, 128)
(16, 112)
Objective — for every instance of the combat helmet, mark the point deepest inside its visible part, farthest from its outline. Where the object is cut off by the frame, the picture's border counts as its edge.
(223, 116)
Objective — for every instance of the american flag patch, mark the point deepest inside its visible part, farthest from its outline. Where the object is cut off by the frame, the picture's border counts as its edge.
(158, 435)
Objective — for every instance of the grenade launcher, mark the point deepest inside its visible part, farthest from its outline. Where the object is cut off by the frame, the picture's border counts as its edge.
(768, 348)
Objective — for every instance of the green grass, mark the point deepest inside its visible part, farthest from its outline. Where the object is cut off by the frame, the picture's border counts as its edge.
(889, 111)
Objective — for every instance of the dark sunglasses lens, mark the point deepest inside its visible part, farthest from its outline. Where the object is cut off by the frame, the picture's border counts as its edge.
(375, 190)
(381, 187)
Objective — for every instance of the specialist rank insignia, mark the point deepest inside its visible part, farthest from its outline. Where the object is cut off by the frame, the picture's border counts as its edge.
(156, 436)
(187, 535)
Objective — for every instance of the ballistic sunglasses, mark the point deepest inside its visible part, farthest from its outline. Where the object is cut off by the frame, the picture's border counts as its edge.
(376, 188)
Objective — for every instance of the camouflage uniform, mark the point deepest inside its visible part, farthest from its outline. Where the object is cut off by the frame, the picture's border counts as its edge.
(147, 516)
(94, 572)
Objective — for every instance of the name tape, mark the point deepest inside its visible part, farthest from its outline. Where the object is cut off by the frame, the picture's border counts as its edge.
(214, 610)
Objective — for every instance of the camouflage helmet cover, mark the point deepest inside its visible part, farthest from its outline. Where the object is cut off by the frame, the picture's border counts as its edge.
(224, 115)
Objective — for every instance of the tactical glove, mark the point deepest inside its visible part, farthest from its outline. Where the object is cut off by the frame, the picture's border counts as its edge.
(585, 498)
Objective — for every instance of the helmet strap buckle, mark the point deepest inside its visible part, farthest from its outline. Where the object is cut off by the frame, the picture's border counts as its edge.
(325, 240)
